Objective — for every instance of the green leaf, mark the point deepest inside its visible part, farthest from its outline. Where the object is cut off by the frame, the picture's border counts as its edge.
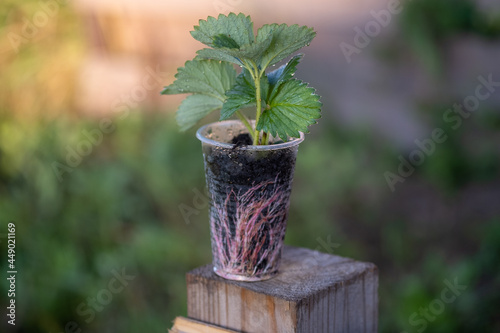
(194, 108)
(286, 40)
(208, 80)
(255, 50)
(249, 52)
(218, 54)
(242, 94)
(291, 110)
(222, 40)
(207, 77)
(285, 72)
(238, 28)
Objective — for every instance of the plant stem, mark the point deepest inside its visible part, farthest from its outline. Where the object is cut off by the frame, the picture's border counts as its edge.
(245, 122)
(258, 100)
(265, 138)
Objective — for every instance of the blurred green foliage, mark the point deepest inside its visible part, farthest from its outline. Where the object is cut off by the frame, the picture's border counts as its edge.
(427, 26)
(40, 55)
(117, 209)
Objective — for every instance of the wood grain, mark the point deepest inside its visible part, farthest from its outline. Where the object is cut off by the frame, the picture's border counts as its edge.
(314, 292)
(186, 325)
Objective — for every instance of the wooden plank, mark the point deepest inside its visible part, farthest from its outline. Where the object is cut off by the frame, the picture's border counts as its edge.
(314, 292)
(187, 325)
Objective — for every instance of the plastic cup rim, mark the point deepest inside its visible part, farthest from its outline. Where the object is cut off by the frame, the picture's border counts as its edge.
(200, 135)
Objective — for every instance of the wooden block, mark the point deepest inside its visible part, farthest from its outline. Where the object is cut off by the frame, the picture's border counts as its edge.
(314, 292)
(187, 325)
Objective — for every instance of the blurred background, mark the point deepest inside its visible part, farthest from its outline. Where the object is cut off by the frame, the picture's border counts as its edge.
(403, 169)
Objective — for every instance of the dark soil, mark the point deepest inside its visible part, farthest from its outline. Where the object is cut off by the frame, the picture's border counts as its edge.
(242, 140)
(246, 168)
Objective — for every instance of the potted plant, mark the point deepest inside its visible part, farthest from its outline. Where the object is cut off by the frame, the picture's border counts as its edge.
(249, 164)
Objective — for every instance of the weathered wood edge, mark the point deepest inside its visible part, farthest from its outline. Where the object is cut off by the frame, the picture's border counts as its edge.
(190, 325)
(205, 273)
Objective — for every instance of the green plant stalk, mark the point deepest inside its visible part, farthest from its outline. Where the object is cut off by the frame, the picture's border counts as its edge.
(265, 138)
(258, 100)
(246, 123)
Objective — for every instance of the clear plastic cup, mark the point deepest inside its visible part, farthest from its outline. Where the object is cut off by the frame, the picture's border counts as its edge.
(249, 189)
